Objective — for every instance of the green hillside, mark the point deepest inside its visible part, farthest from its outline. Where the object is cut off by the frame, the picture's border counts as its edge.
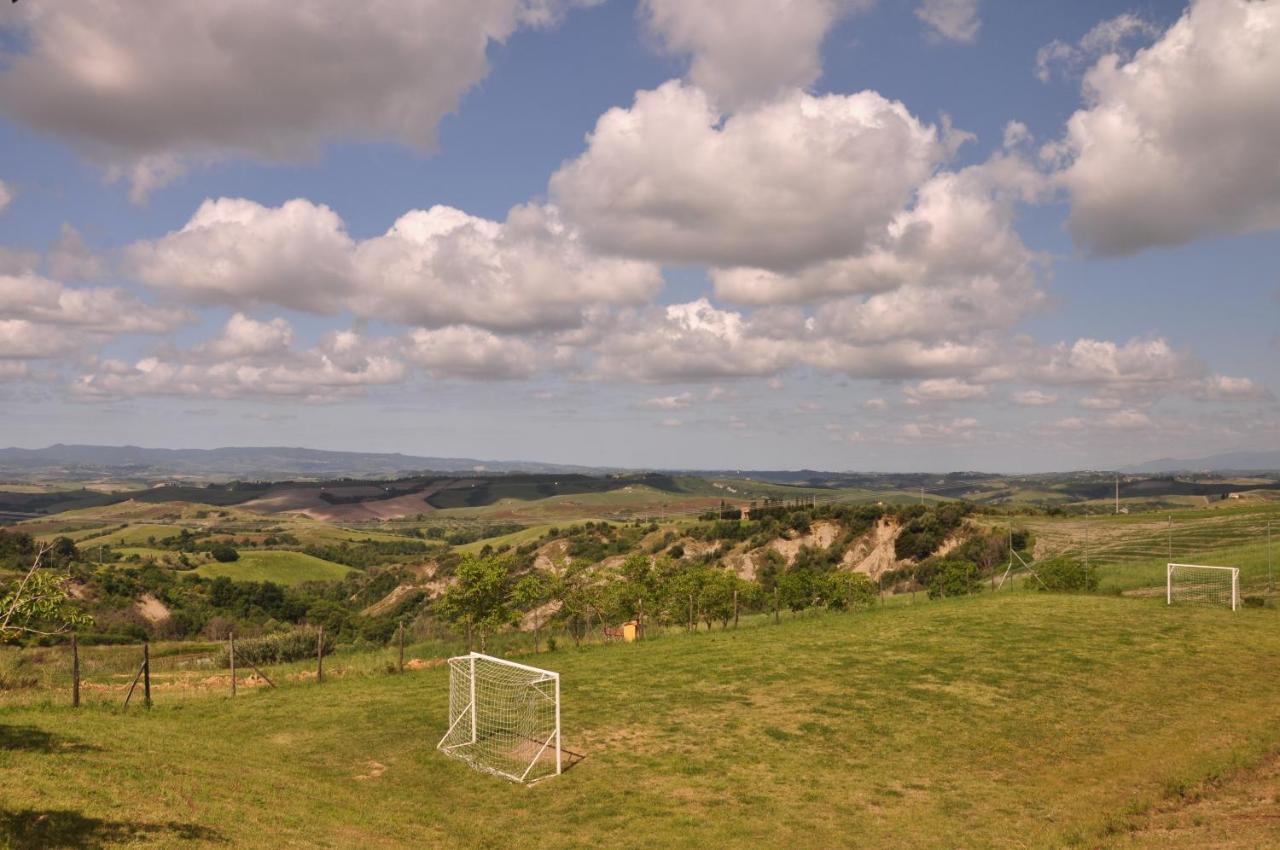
(1015, 720)
(287, 568)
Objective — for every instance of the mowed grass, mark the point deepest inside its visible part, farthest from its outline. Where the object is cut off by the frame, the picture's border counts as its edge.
(1020, 720)
(281, 567)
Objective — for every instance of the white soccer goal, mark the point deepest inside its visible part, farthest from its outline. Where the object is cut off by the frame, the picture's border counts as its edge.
(504, 717)
(1203, 585)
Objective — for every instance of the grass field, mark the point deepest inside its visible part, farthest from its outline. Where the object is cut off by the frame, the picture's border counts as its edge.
(1131, 550)
(285, 568)
(1014, 720)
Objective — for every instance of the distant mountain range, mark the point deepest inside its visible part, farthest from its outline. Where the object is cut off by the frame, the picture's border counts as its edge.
(1243, 461)
(247, 463)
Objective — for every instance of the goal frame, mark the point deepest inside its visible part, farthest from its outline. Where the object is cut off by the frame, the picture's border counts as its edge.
(469, 713)
(1233, 571)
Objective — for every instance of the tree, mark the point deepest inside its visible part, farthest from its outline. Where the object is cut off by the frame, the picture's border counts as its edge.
(953, 577)
(224, 553)
(530, 593)
(797, 589)
(481, 598)
(580, 598)
(38, 603)
(848, 590)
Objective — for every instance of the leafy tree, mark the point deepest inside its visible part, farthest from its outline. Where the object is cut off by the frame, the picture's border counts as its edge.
(530, 593)
(38, 603)
(224, 554)
(580, 597)
(797, 589)
(481, 598)
(845, 591)
(953, 577)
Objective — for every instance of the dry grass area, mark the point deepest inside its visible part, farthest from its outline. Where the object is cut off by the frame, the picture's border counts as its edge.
(1239, 812)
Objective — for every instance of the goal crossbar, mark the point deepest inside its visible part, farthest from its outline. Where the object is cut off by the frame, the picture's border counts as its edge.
(504, 717)
(1217, 584)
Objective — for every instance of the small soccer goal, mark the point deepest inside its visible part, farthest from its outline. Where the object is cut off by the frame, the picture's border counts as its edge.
(1203, 585)
(504, 717)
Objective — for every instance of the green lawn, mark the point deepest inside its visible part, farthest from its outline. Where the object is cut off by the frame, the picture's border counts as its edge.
(1015, 720)
(277, 566)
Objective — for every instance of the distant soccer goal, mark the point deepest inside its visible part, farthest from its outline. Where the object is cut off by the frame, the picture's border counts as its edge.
(1203, 585)
(504, 717)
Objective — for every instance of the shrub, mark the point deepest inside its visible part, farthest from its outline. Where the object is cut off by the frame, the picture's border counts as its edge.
(224, 554)
(953, 577)
(1064, 574)
(278, 648)
(849, 590)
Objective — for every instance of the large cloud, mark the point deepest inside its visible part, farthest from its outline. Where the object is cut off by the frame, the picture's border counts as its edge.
(746, 51)
(434, 267)
(6, 196)
(250, 359)
(1180, 142)
(92, 309)
(779, 186)
(956, 241)
(145, 86)
(460, 351)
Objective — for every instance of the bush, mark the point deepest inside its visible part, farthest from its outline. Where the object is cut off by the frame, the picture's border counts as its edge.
(278, 648)
(224, 554)
(953, 577)
(849, 590)
(1064, 574)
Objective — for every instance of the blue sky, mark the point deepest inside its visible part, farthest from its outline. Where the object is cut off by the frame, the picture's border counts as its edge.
(770, 252)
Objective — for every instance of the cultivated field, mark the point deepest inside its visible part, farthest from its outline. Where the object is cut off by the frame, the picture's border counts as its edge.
(287, 568)
(1011, 720)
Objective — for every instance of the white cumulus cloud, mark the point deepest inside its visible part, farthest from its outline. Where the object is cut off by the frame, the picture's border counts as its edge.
(747, 51)
(1180, 142)
(433, 268)
(145, 88)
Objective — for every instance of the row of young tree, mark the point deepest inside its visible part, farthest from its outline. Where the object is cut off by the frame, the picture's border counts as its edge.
(490, 594)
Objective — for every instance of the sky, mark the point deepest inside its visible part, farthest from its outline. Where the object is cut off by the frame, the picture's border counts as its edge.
(889, 235)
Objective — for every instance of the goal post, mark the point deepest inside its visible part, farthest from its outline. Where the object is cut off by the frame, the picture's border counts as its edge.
(1202, 584)
(504, 717)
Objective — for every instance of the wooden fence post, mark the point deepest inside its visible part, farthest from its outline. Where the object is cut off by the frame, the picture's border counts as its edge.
(134, 683)
(146, 674)
(75, 672)
(402, 647)
(640, 618)
(320, 655)
(775, 606)
(231, 649)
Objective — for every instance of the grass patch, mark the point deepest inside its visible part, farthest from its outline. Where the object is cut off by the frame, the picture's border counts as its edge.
(1028, 720)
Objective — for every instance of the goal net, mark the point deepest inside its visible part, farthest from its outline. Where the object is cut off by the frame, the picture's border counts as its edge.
(1203, 585)
(504, 718)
